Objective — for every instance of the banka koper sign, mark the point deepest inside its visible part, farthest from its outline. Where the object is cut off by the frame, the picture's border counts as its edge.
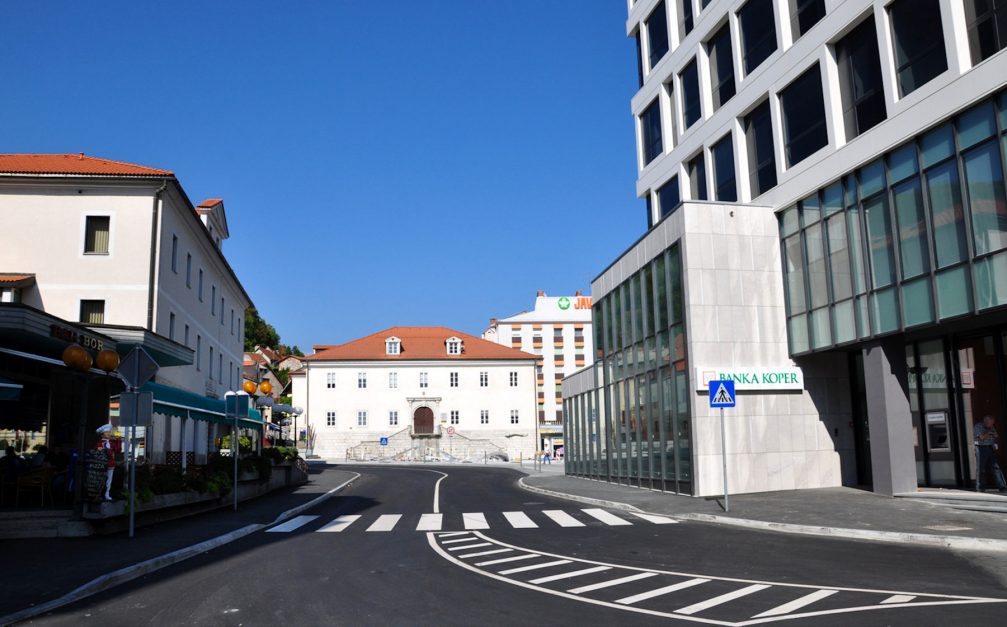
(788, 378)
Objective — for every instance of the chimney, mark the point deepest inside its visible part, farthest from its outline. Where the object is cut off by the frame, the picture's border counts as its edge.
(540, 294)
(493, 322)
(579, 293)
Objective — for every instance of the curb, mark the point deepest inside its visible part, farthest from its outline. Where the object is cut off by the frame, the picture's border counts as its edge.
(890, 537)
(135, 571)
(582, 499)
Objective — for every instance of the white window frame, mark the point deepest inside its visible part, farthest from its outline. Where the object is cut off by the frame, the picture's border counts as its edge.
(393, 380)
(484, 379)
(362, 380)
(330, 380)
(513, 378)
(424, 380)
(453, 379)
(362, 418)
(393, 418)
(484, 416)
(330, 419)
(454, 416)
(515, 417)
(393, 346)
(454, 346)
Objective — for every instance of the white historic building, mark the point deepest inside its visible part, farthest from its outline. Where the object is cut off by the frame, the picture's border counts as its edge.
(425, 390)
(558, 331)
(119, 249)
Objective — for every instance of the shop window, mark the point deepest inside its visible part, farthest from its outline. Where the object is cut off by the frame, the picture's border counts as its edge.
(794, 264)
(987, 199)
(721, 66)
(860, 70)
(948, 216)
(692, 109)
(879, 235)
(954, 294)
(913, 240)
(917, 302)
(804, 14)
(918, 37)
(723, 170)
(803, 109)
(761, 153)
(839, 258)
(657, 34)
(758, 32)
(96, 230)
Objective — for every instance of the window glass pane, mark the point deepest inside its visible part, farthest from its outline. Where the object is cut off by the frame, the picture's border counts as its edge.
(1002, 106)
(879, 233)
(872, 178)
(947, 216)
(937, 145)
(919, 42)
(839, 259)
(697, 178)
(662, 294)
(912, 229)
(832, 198)
(96, 234)
(761, 154)
(816, 266)
(668, 196)
(650, 121)
(723, 170)
(954, 292)
(885, 307)
(991, 281)
(984, 177)
(803, 108)
(657, 34)
(917, 303)
(976, 125)
(821, 333)
(797, 328)
(758, 32)
(789, 222)
(863, 326)
(810, 210)
(856, 249)
(902, 163)
(860, 79)
(691, 108)
(794, 264)
(721, 66)
(845, 321)
(804, 14)
(684, 19)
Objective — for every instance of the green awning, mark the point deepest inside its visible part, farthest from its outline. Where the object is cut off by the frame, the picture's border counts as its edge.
(176, 402)
(10, 391)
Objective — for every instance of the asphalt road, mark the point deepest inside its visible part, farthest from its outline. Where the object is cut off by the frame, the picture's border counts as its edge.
(517, 558)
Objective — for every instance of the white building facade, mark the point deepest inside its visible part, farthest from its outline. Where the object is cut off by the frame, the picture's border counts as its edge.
(423, 391)
(558, 331)
(824, 184)
(121, 250)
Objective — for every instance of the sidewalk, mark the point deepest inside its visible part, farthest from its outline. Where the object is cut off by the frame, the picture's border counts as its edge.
(836, 512)
(45, 569)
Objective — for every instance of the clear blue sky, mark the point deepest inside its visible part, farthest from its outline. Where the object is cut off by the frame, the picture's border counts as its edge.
(382, 163)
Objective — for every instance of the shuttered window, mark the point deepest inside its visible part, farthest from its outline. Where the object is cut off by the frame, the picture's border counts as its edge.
(96, 235)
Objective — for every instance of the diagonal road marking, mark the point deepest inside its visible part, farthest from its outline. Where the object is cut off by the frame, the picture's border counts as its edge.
(650, 594)
(430, 522)
(475, 520)
(610, 583)
(797, 604)
(465, 547)
(509, 559)
(385, 522)
(522, 569)
(562, 519)
(481, 553)
(606, 517)
(520, 520)
(720, 600)
(340, 523)
(576, 573)
(898, 598)
(657, 520)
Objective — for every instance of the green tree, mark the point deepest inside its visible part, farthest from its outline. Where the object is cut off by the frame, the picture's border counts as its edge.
(258, 331)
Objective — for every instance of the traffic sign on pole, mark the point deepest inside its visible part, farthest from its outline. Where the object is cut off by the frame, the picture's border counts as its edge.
(137, 367)
(384, 441)
(721, 396)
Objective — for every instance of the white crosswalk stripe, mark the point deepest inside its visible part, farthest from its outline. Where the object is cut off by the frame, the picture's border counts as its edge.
(519, 520)
(385, 522)
(475, 520)
(291, 524)
(606, 517)
(797, 604)
(430, 522)
(562, 519)
(720, 600)
(340, 524)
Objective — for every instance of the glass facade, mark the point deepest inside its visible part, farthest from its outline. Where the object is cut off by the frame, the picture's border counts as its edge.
(635, 427)
(912, 239)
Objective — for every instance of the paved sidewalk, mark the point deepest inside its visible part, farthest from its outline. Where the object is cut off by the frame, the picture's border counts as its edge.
(40, 570)
(841, 512)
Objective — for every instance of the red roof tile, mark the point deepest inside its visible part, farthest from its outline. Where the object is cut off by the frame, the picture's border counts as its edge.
(210, 202)
(73, 164)
(418, 343)
(16, 278)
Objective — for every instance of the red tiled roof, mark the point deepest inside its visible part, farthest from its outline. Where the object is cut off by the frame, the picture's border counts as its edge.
(253, 358)
(73, 164)
(16, 278)
(210, 202)
(417, 343)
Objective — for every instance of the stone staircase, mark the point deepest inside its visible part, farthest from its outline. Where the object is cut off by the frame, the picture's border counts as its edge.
(41, 523)
(402, 446)
(372, 450)
(990, 502)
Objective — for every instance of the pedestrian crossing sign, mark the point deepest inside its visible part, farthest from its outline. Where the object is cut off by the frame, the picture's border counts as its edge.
(722, 393)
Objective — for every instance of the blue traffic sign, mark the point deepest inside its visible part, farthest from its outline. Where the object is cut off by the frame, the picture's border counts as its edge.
(384, 441)
(722, 393)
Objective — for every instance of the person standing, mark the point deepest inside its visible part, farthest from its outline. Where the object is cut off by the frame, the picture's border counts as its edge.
(985, 436)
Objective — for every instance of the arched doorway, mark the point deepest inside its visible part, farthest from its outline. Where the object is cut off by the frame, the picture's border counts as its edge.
(423, 421)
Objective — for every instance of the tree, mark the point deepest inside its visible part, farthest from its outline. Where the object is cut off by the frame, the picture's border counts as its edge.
(258, 331)
(285, 350)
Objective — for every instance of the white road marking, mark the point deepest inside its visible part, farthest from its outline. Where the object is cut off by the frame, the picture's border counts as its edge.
(509, 559)
(657, 520)
(606, 517)
(797, 604)
(291, 524)
(430, 522)
(562, 519)
(650, 594)
(481, 553)
(519, 520)
(470, 546)
(457, 540)
(610, 583)
(385, 522)
(575, 573)
(898, 598)
(522, 569)
(475, 520)
(339, 524)
(453, 533)
(437, 491)
(720, 600)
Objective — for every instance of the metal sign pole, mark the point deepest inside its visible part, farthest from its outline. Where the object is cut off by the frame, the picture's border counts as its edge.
(234, 454)
(131, 468)
(723, 455)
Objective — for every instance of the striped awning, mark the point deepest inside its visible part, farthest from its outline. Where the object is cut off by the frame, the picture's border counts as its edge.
(173, 401)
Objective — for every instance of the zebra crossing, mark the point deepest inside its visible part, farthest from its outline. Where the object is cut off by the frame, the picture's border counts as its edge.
(683, 596)
(470, 521)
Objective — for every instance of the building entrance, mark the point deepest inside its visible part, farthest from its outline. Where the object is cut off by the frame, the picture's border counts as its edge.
(981, 360)
(423, 421)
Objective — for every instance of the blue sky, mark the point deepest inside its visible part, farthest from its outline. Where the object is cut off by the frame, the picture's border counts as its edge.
(382, 163)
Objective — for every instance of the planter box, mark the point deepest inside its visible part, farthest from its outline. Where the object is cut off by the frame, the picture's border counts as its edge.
(97, 511)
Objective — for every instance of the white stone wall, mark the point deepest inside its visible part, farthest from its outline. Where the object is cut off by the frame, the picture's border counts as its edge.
(377, 399)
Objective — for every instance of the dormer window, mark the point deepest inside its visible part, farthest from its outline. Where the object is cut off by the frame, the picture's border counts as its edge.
(454, 346)
(393, 346)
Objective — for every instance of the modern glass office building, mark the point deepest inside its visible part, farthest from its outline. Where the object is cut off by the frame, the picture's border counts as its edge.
(824, 184)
